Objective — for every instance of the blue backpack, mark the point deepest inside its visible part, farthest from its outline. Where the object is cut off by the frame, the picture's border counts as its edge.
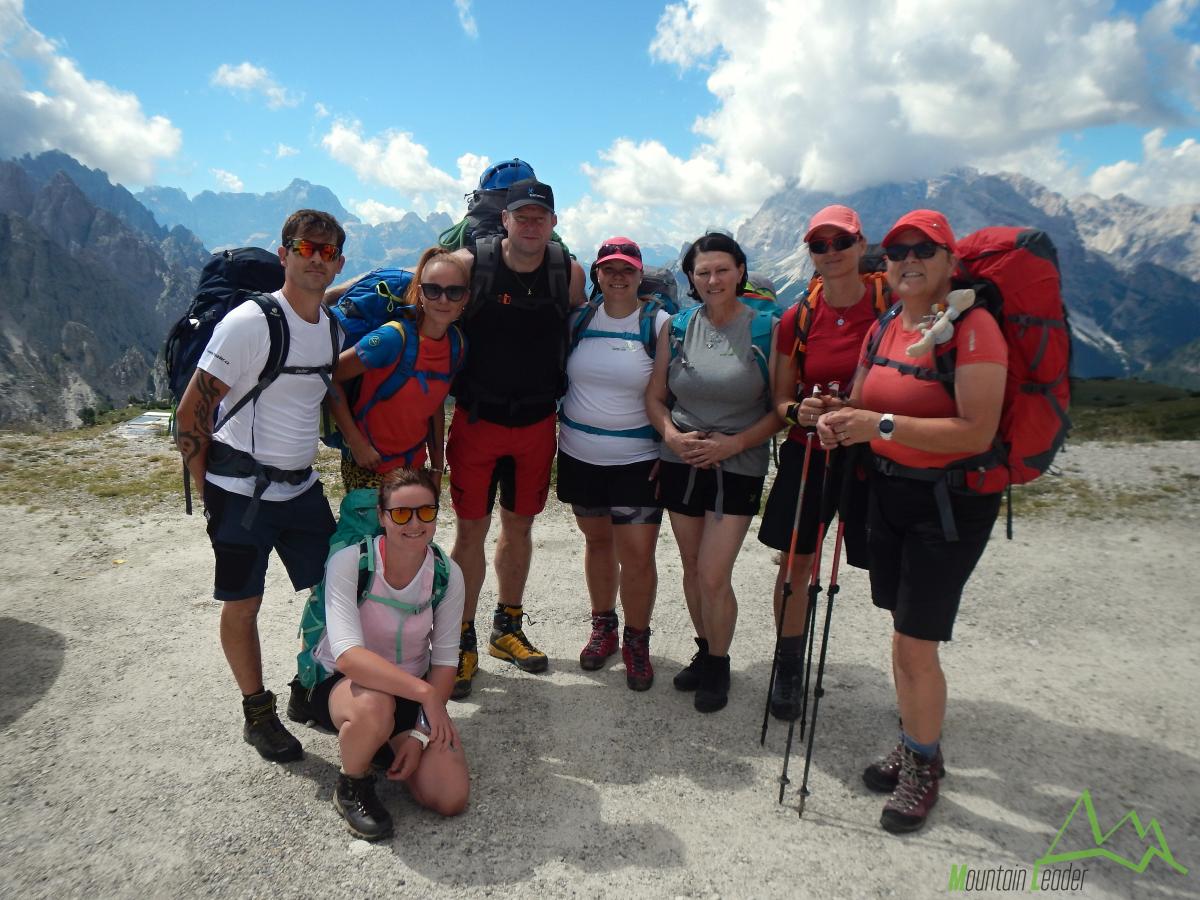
(647, 314)
(760, 336)
(376, 298)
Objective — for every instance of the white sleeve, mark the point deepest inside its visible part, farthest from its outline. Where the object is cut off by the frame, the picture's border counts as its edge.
(343, 626)
(661, 319)
(238, 346)
(447, 620)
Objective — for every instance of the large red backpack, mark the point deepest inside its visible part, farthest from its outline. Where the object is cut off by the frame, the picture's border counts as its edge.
(1015, 275)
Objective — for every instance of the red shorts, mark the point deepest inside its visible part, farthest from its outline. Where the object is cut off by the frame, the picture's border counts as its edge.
(484, 456)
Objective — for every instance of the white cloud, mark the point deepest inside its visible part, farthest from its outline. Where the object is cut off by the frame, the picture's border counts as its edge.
(283, 150)
(394, 159)
(372, 212)
(466, 18)
(1164, 176)
(321, 110)
(227, 180)
(837, 96)
(248, 78)
(91, 120)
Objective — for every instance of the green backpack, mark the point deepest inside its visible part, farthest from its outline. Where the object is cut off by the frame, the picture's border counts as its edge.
(358, 523)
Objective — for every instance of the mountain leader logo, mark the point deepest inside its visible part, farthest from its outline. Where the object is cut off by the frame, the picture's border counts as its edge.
(1017, 878)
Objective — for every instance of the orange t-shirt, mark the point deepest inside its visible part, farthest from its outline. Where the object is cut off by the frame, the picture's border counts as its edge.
(402, 421)
(978, 340)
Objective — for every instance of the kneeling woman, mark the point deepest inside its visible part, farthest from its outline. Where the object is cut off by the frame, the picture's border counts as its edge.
(393, 660)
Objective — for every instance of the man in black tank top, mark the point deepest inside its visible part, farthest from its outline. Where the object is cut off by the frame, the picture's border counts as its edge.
(503, 434)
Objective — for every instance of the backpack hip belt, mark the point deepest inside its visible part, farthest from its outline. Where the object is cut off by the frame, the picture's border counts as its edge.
(943, 481)
(233, 463)
(646, 431)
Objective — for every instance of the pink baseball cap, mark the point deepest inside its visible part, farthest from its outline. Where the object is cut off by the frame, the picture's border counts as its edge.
(842, 217)
(929, 222)
(620, 248)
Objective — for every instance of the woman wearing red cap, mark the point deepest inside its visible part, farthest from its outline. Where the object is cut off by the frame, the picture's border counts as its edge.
(714, 363)
(925, 540)
(817, 345)
(608, 454)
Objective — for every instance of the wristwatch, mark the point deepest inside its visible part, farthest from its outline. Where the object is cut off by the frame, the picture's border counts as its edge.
(887, 426)
(793, 414)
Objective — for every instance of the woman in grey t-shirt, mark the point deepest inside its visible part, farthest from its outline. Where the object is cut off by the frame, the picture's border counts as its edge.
(709, 398)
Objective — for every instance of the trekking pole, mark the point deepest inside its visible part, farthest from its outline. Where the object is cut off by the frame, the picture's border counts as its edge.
(787, 584)
(830, 593)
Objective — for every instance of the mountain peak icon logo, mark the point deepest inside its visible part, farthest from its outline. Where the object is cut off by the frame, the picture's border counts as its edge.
(1149, 834)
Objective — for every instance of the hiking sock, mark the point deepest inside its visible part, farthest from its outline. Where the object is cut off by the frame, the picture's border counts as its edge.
(926, 751)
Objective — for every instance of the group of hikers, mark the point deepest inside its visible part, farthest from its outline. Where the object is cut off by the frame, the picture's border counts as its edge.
(642, 410)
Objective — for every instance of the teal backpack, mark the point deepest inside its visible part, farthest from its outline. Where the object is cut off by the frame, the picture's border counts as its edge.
(760, 336)
(358, 523)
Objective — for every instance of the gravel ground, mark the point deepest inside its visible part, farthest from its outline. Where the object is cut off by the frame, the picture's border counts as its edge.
(1074, 667)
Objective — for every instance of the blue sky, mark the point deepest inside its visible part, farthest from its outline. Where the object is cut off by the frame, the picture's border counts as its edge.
(647, 118)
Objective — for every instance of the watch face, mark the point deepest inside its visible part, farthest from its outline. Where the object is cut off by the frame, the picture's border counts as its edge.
(886, 426)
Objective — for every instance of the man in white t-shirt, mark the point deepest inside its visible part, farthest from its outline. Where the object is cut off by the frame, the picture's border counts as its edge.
(260, 492)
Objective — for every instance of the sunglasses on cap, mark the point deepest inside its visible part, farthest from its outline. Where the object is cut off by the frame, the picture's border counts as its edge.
(842, 242)
(921, 250)
(453, 292)
(328, 252)
(402, 514)
(618, 250)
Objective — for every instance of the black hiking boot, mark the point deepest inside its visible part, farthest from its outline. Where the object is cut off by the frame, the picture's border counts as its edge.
(265, 733)
(298, 709)
(688, 678)
(788, 690)
(355, 801)
(713, 692)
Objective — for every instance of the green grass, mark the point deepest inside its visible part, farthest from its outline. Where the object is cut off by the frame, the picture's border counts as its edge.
(1127, 410)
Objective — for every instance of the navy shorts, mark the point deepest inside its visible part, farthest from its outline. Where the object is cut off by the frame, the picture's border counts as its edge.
(298, 530)
(915, 572)
(627, 494)
(318, 703)
(742, 493)
(780, 512)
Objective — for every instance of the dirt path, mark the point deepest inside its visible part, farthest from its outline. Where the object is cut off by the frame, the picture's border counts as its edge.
(1074, 667)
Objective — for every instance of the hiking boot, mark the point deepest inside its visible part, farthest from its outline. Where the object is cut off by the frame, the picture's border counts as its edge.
(713, 692)
(298, 709)
(468, 663)
(787, 693)
(688, 678)
(915, 795)
(882, 775)
(265, 733)
(639, 673)
(602, 643)
(355, 801)
(509, 641)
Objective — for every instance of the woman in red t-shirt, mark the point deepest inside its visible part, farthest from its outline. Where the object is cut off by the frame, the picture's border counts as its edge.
(406, 427)
(835, 315)
(924, 540)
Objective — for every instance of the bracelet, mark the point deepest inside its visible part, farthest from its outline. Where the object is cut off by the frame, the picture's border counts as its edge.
(420, 736)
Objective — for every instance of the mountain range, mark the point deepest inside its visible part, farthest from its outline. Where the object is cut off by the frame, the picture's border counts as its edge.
(92, 276)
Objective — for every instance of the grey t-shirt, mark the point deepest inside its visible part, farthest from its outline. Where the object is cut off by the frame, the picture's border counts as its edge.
(718, 385)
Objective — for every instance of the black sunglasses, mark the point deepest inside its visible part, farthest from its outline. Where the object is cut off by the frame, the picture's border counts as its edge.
(921, 250)
(621, 249)
(453, 292)
(842, 242)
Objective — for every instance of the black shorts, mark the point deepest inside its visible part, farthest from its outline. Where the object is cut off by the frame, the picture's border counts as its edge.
(915, 572)
(779, 514)
(318, 703)
(298, 530)
(627, 492)
(742, 493)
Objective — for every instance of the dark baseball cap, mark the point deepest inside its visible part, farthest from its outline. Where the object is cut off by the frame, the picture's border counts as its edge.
(527, 191)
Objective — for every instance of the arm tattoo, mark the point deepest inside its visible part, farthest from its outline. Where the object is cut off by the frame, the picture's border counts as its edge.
(194, 443)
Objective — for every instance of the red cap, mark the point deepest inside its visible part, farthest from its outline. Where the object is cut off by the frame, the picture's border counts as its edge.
(621, 248)
(842, 217)
(930, 223)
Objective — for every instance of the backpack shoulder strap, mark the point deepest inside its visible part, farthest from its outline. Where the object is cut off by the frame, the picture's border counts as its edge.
(441, 575)
(487, 254)
(458, 348)
(401, 371)
(877, 332)
(679, 326)
(583, 318)
(646, 319)
(558, 266)
(278, 345)
(366, 566)
(761, 327)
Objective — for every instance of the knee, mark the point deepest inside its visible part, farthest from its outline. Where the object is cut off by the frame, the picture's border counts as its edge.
(714, 581)
(514, 526)
(915, 658)
(451, 801)
(240, 612)
(374, 709)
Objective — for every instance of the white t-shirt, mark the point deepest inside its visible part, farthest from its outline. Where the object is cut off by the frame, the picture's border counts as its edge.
(281, 427)
(607, 389)
(429, 637)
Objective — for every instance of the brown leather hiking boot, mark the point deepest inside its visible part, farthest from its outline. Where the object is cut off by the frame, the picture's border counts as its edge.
(882, 775)
(639, 672)
(915, 795)
(602, 642)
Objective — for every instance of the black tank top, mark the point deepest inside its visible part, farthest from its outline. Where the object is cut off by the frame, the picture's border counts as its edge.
(516, 348)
